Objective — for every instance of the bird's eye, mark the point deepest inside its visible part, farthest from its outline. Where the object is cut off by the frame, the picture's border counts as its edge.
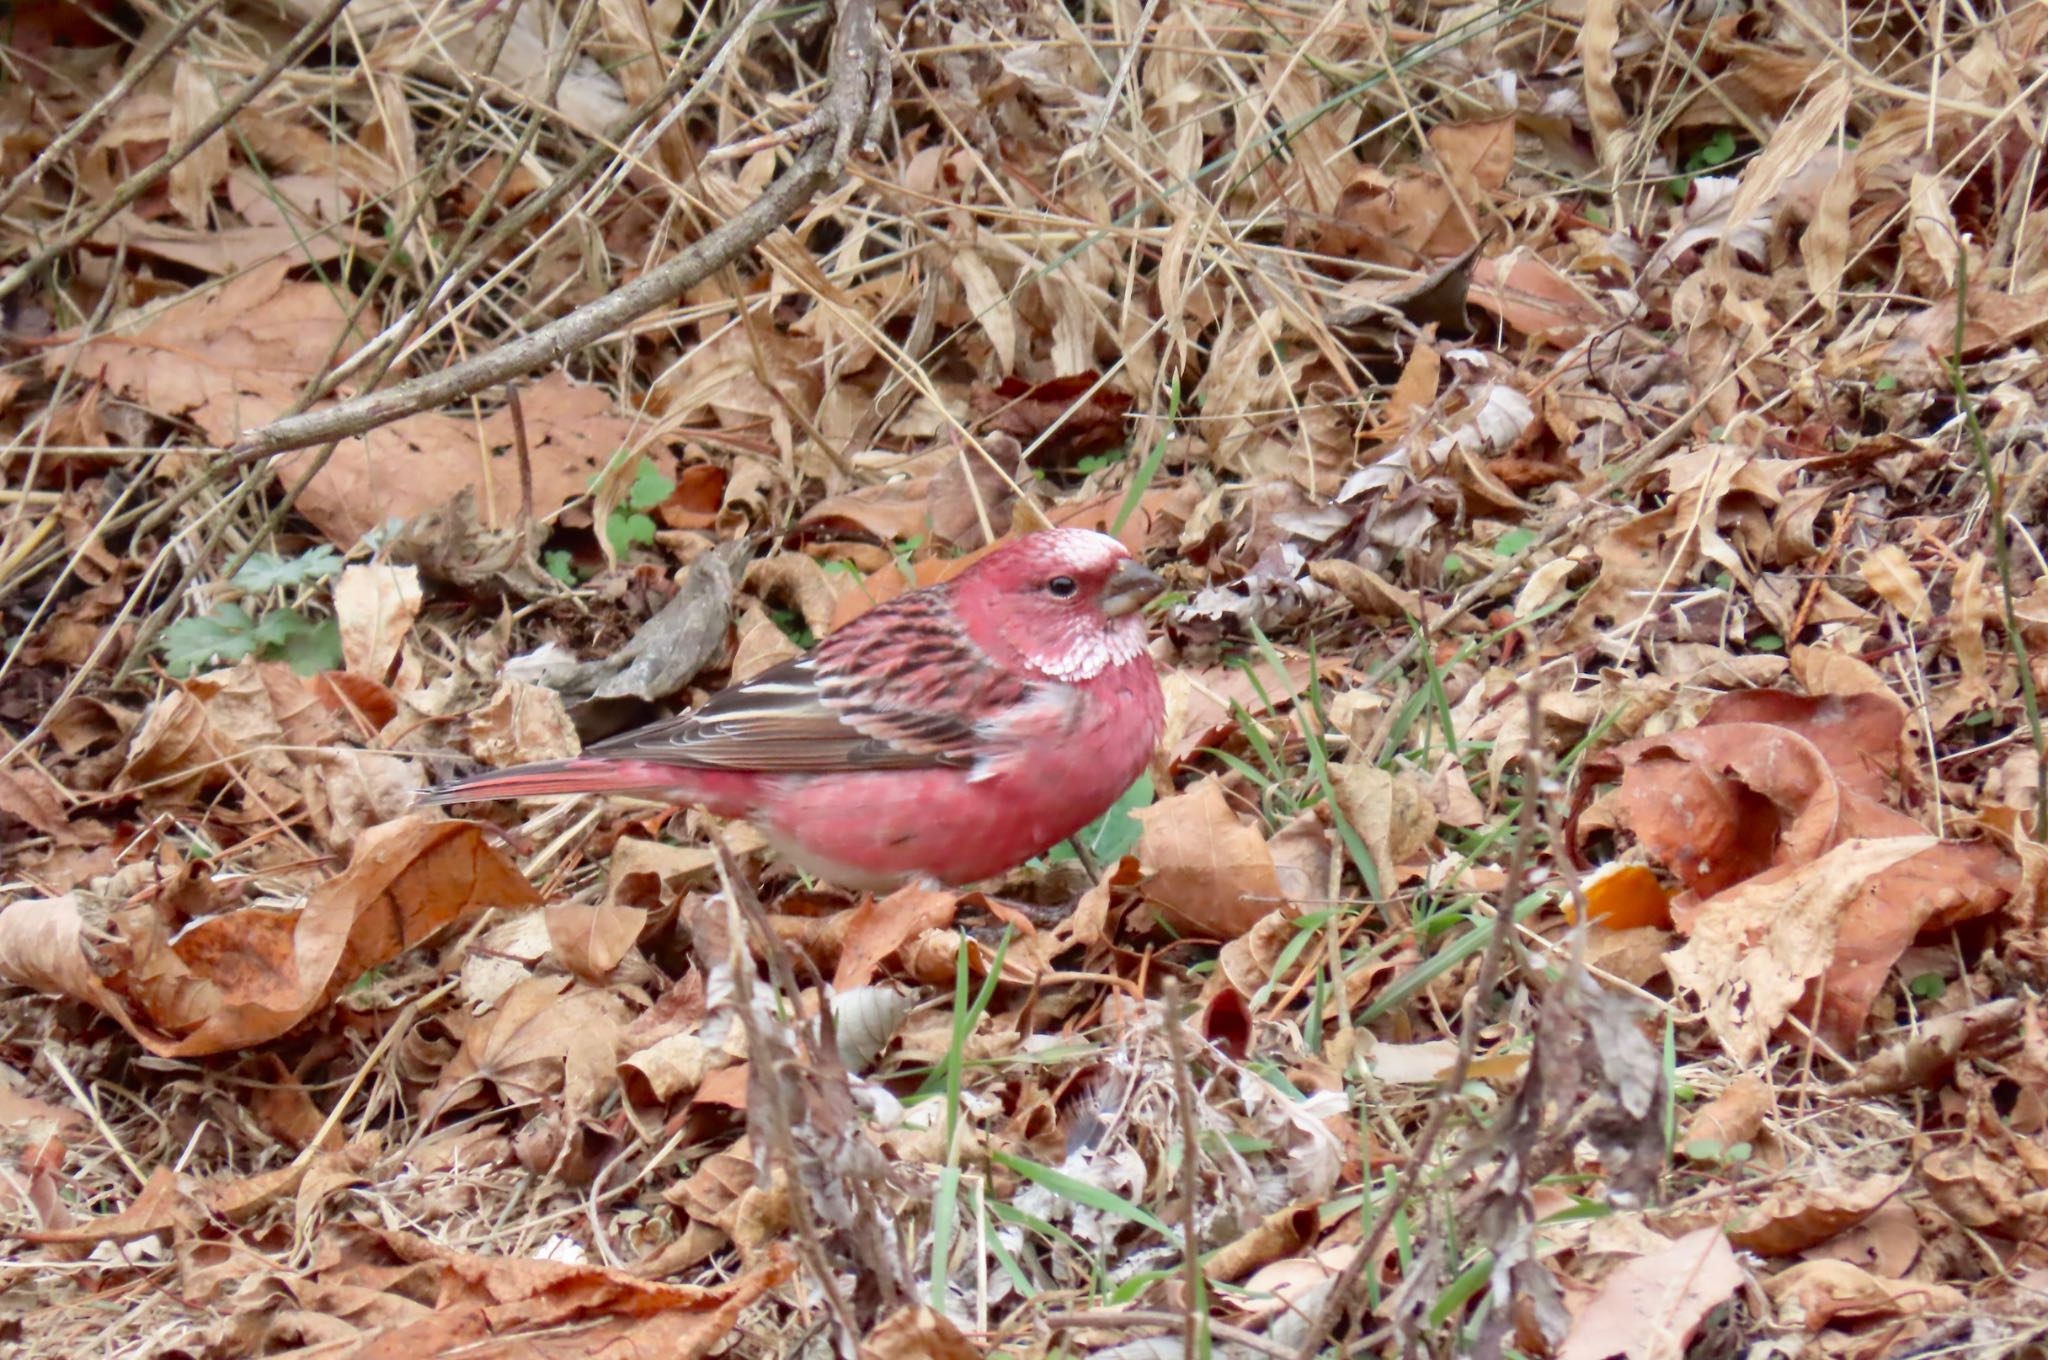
(1062, 587)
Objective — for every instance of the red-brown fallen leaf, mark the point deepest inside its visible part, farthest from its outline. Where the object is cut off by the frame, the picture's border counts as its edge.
(1795, 1217)
(877, 929)
(241, 977)
(1089, 420)
(1803, 887)
(727, 1086)
(916, 1332)
(1650, 1307)
(438, 1301)
(1209, 874)
(1828, 931)
(1530, 295)
(545, 1036)
(694, 504)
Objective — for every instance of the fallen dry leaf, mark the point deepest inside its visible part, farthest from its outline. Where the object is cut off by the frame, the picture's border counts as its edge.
(1650, 1307)
(375, 606)
(244, 976)
(1791, 1219)
(546, 1036)
(1207, 872)
(877, 929)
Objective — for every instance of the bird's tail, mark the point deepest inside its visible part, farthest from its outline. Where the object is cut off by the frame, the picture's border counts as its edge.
(539, 780)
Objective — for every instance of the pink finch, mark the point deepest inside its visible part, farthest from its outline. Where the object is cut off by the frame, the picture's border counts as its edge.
(950, 733)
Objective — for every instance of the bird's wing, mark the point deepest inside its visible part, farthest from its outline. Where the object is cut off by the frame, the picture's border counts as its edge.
(900, 687)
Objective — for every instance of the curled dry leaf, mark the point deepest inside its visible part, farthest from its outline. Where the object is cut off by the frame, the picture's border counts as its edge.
(224, 727)
(1650, 1307)
(877, 929)
(375, 606)
(546, 1036)
(1208, 873)
(1795, 1217)
(411, 1297)
(522, 722)
(1803, 887)
(245, 976)
(1813, 1294)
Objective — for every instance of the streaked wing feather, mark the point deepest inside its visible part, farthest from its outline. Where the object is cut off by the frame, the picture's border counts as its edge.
(898, 688)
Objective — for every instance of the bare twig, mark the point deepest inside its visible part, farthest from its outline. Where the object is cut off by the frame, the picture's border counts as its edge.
(131, 76)
(146, 179)
(1190, 1173)
(1345, 1287)
(847, 113)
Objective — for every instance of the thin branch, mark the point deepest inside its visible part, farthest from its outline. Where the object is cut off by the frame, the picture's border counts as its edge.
(131, 76)
(146, 179)
(845, 116)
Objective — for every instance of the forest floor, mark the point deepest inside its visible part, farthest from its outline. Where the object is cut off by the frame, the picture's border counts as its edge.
(1589, 899)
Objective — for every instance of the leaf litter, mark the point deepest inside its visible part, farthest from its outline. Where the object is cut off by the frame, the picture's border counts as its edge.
(1633, 416)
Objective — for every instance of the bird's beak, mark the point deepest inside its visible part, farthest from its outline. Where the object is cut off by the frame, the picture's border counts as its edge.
(1130, 588)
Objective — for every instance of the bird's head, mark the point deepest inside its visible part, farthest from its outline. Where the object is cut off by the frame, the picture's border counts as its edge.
(1063, 602)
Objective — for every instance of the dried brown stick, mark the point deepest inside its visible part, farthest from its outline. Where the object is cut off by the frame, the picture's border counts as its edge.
(131, 76)
(146, 179)
(844, 116)
(1348, 1281)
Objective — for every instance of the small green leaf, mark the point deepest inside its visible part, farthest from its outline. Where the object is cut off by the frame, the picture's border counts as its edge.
(223, 637)
(268, 571)
(1514, 541)
(560, 564)
(1111, 836)
(1078, 1191)
(1887, 382)
(315, 649)
(651, 486)
(1928, 986)
(625, 530)
(1768, 642)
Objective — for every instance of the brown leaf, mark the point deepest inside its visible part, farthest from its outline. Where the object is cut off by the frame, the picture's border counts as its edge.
(1209, 874)
(1390, 812)
(520, 1308)
(1650, 1308)
(546, 1036)
(522, 722)
(915, 1332)
(1795, 1217)
(42, 947)
(590, 940)
(1813, 1294)
(224, 727)
(1732, 1117)
(877, 929)
(375, 606)
(1530, 295)
(33, 797)
(227, 981)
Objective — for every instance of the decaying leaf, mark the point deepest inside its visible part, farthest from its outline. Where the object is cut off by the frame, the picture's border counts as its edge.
(247, 975)
(1208, 872)
(1650, 1307)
